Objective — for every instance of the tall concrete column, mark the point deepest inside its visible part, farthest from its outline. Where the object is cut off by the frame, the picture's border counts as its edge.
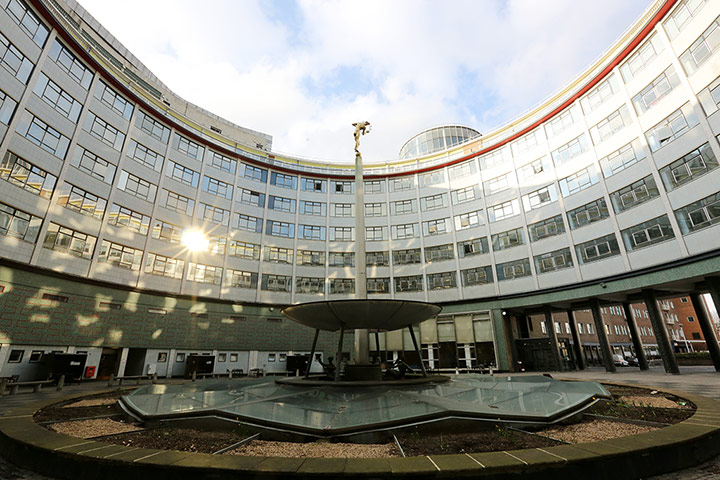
(635, 336)
(577, 343)
(661, 334)
(602, 336)
(707, 329)
(362, 345)
(554, 347)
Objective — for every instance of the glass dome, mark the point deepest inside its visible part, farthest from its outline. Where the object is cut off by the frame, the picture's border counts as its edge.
(436, 139)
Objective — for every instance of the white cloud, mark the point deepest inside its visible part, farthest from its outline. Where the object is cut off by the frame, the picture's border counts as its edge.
(283, 68)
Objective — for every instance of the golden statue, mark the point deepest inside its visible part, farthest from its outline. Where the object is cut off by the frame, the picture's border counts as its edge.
(361, 128)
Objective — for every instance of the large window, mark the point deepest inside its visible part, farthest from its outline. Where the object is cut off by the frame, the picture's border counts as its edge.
(702, 49)
(512, 270)
(200, 273)
(75, 198)
(144, 155)
(439, 281)
(103, 131)
(280, 229)
(463, 195)
(378, 259)
(43, 135)
(700, 214)
(655, 91)
(375, 210)
(401, 232)
(56, 97)
(120, 255)
(309, 285)
(378, 285)
(570, 150)
(476, 276)
(126, 218)
(413, 283)
(164, 266)
(622, 158)
(281, 204)
(598, 249)
(226, 164)
(137, 186)
(610, 125)
(179, 203)
(433, 202)
(187, 146)
(282, 180)
(27, 176)
(546, 228)
(509, 239)
(311, 258)
(641, 58)
(552, 261)
(439, 253)
(250, 197)
(70, 64)
(114, 100)
(689, 167)
(681, 15)
(19, 224)
(7, 107)
(539, 197)
(217, 187)
(476, 246)
(634, 194)
(435, 227)
(167, 232)
(342, 209)
(402, 207)
(14, 61)
(214, 214)
(375, 234)
(341, 259)
(248, 223)
(241, 279)
(468, 220)
(600, 94)
(311, 232)
(182, 174)
(342, 285)
(503, 210)
(497, 184)
(342, 234)
(578, 181)
(152, 127)
(313, 185)
(647, 233)
(407, 257)
(27, 21)
(312, 208)
(679, 122)
(69, 241)
(588, 213)
(249, 251)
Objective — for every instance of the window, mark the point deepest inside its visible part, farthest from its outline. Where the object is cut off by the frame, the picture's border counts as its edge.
(182, 174)
(610, 125)
(312, 208)
(598, 249)
(526, 142)
(622, 158)
(342, 187)
(413, 283)
(497, 184)
(82, 201)
(164, 266)
(43, 135)
(248, 223)
(512, 270)
(709, 97)
(137, 222)
(600, 94)
(57, 98)
(103, 131)
(342, 209)
(7, 107)
(375, 210)
(546, 228)
(67, 240)
(278, 255)
(641, 58)
(15, 356)
(179, 203)
(378, 285)
(540, 197)
(402, 207)
(27, 176)
(375, 234)
(256, 174)
(401, 232)
(462, 170)
(167, 232)
(439, 281)
(435, 227)
(152, 127)
(689, 167)
(534, 168)
(137, 186)
(681, 15)
(509, 239)
(655, 91)
(309, 285)
(647, 233)
(36, 356)
(378, 259)
(431, 178)
(114, 100)
(588, 213)
(702, 49)
(214, 214)
(476, 246)
(250, 197)
(240, 279)
(374, 186)
(342, 234)
(222, 357)
(407, 257)
(249, 251)
(70, 64)
(180, 358)
(503, 210)
(14, 61)
(313, 185)
(562, 122)
(402, 184)
(283, 181)
(342, 259)
(476, 276)
(464, 195)
(120, 255)
(280, 229)
(552, 261)
(217, 187)
(281, 204)
(28, 23)
(634, 194)
(310, 257)
(93, 165)
(439, 253)
(570, 150)
(188, 147)
(222, 162)
(19, 224)
(311, 232)
(700, 214)
(342, 285)
(679, 122)
(204, 273)
(497, 157)
(144, 155)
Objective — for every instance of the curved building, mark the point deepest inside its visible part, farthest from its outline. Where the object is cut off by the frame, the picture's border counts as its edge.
(437, 139)
(608, 189)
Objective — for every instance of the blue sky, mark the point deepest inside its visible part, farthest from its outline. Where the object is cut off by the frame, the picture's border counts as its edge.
(303, 71)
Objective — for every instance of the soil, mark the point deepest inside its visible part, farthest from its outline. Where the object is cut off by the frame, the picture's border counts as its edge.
(67, 411)
(183, 439)
(638, 404)
(488, 441)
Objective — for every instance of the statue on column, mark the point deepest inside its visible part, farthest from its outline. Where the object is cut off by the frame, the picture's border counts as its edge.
(361, 128)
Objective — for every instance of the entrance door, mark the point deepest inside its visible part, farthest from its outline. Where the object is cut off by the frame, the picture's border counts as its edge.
(109, 363)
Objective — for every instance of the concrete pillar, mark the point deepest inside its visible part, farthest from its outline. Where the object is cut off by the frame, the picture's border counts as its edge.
(707, 329)
(635, 336)
(362, 343)
(123, 362)
(504, 342)
(552, 336)
(661, 335)
(602, 336)
(577, 343)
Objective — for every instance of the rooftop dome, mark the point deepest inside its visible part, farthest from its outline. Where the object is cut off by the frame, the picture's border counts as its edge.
(436, 139)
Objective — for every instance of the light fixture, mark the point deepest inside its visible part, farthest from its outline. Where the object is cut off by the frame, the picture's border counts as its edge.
(195, 240)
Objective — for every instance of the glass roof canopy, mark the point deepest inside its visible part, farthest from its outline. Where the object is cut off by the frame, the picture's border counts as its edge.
(333, 411)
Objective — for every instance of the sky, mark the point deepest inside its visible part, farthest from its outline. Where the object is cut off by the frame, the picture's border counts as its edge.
(304, 70)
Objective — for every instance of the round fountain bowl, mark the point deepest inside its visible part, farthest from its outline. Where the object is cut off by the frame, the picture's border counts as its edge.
(381, 315)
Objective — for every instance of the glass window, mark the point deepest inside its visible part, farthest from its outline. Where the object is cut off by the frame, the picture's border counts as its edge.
(342, 187)
(311, 232)
(240, 279)
(281, 204)
(622, 158)
(280, 229)
(408, 230)
(439, 253)
(43, 135)
(634, 194)
(681, 15)
(588, 213)
(313, 185)
(167, 232)
(164, 266)
(214, 214)
(187, 146)
(435, 227)
(204, 273)
(512, 270)
(546, 228)
(600, 94)
(27, 21)
(152, 127)
(103, 131)
(539, 197)
(463, 195)
(311, 257)
(647, 233)
(14, 61)
(245, 250)
(342, 234)
(82, 201)
(342, 209)
(283, 181)
(222, 162)
(700, 214)
(476, 276)
(375, 233)
(509, 239)
(702, 49)
(179, 203)
(402, 207)
(114, 100)
(19, 224)
(655, 91)
(679, 122)
(27, 176)
(182, 174)
(413, 283)
(248, 223)
(610, 125)
(578, 181)
(598, 249)
(137, 186)
(217, 187)
(497, 184)
(641, 58)
(144, 155)
(378, 259)
(70, 64)
(309, 285)
(69, 241)
(472, 247)
(342, 259)
(378, 285)
(439, 281)
(56, 97)
(120, 255)
(570, 150)
(312, 208)
(250, 197)
(468, 220)
(342, 285)
(552, 261)
(689, 167)
(503, 210)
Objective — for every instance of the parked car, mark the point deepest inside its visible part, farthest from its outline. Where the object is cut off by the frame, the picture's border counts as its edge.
(633, 361)
(620, 361)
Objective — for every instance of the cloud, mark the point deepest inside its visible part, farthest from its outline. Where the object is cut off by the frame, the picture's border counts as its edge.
(304, 71)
